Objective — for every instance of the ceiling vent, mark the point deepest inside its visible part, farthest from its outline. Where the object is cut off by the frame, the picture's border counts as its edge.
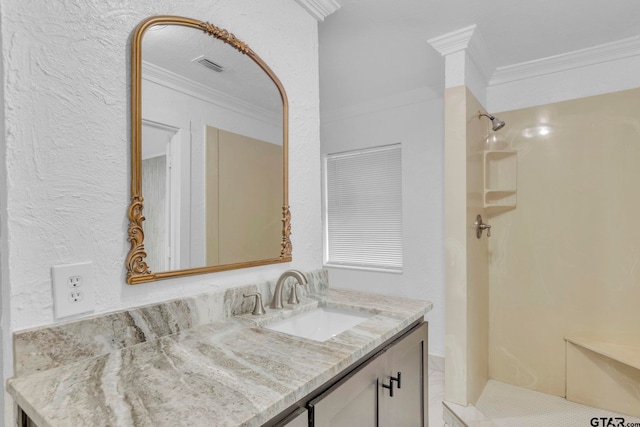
(209, 64)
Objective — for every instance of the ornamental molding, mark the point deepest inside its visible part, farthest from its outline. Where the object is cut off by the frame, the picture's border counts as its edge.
(188, 87)
(466, 39)
(469, 39)
(613, 51)
(225, 36)
(454, 41)
(319, 9)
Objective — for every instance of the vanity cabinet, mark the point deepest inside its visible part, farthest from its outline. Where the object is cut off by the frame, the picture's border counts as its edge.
(407, 361)
(390, 389)
(356, 397)
(23, 419)
(299, 418)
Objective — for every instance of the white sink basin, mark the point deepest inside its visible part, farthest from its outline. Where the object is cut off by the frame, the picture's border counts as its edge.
(319, 324)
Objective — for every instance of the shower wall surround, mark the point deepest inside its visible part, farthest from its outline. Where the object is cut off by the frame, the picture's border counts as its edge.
(466, 266)
(565, 262)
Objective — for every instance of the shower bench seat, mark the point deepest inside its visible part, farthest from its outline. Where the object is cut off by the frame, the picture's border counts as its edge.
(604, 374)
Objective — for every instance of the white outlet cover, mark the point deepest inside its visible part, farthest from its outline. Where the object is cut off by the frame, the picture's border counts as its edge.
(65, 296)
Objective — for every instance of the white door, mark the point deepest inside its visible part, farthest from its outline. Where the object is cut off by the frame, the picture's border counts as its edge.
(161, 193)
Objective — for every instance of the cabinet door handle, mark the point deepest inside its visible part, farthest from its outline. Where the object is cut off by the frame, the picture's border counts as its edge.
(390, 387)
(398, 379)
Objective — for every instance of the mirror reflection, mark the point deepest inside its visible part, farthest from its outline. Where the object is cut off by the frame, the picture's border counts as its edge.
(212, 153)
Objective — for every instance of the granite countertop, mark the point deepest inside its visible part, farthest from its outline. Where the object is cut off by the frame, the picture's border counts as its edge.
(230, 372)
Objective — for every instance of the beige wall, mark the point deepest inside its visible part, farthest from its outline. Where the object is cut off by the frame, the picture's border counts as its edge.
(466, 270)
(566, 261)
(477, 255)
(247, 228)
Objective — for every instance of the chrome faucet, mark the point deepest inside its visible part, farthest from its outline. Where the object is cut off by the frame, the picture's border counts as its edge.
(293, 298)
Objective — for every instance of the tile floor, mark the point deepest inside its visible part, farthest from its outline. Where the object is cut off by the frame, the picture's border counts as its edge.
(504, 405)
(436, 396)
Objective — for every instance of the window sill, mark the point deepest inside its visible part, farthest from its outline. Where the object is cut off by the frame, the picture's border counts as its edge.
(364, 268)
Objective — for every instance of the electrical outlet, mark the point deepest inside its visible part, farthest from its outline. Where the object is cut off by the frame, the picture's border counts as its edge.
(75, 296)
(72, 289)
(74, 281)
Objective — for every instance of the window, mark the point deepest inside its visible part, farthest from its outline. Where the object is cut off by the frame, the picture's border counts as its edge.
(363, 202)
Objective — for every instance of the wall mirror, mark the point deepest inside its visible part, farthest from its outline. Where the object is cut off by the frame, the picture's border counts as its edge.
(209, 153)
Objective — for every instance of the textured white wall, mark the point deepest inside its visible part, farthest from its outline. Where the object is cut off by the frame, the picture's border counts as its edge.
(4, 249)
(67, 142)
(419, 127)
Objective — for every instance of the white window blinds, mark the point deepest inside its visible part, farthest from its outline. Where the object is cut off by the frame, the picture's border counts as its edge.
(364, 208)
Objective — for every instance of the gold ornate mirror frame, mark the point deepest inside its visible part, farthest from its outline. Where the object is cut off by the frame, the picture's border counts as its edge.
(137, 268)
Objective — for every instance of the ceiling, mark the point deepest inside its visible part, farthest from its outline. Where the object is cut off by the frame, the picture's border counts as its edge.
(373, 49)
(172, 52)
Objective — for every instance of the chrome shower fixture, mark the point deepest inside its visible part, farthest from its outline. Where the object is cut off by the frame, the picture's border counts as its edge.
(496, 123)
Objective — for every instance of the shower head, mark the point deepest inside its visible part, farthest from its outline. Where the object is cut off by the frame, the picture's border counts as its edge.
(496, 123)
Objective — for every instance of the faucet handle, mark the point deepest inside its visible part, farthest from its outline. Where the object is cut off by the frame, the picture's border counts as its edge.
(293, 297)
(258, 308)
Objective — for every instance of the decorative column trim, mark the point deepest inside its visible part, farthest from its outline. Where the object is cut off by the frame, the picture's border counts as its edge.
(454, 41)
(319, 9)
(466, 39)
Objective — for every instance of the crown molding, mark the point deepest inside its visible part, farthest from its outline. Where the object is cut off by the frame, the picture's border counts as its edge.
(469, 39)
(319, 9)
(176, 82)
(580, 58)
(454, 41)
(479, 53)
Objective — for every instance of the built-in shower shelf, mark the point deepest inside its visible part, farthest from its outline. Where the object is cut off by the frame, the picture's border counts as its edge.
(492, 210)
(500, 181)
